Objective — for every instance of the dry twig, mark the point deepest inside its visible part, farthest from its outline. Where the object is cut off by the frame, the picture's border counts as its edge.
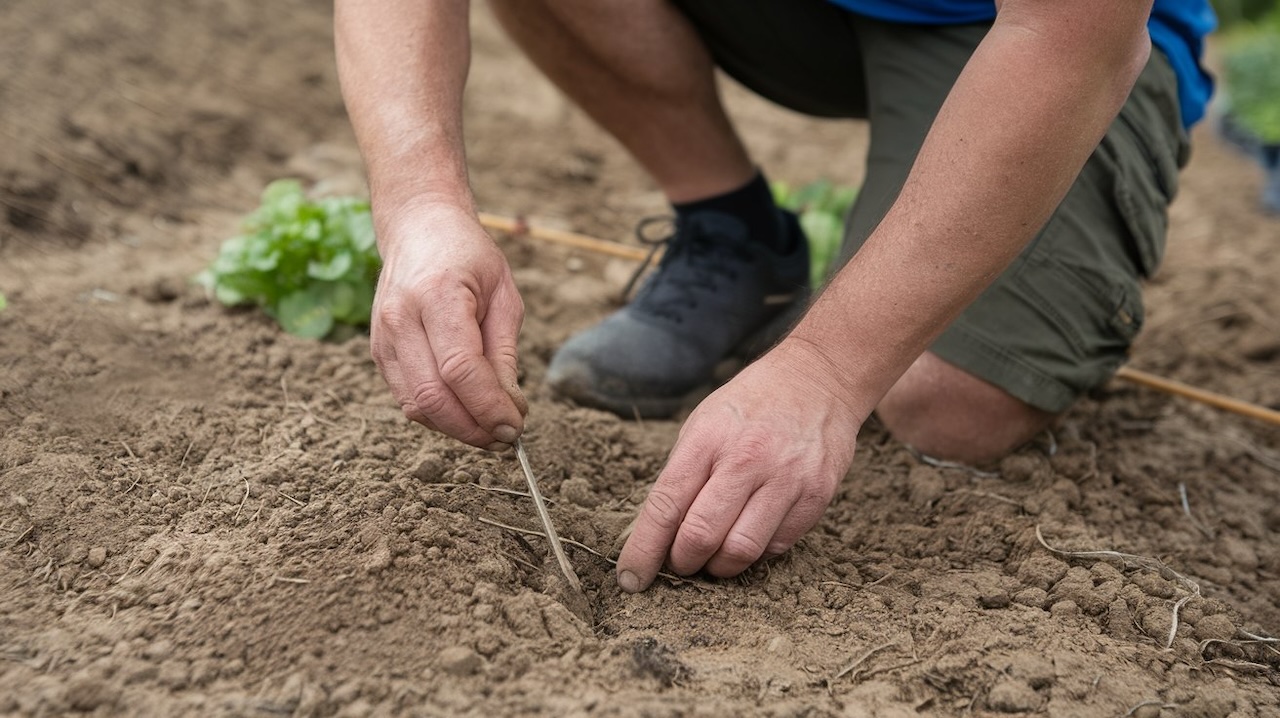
(531, 532)
(1144, 704)
(860, 660)
(565, 567)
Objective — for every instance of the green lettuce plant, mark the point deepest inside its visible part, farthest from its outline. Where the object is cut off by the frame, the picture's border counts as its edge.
(310, 264)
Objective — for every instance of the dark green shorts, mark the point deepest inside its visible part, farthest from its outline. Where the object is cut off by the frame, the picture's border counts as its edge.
(1059, 321)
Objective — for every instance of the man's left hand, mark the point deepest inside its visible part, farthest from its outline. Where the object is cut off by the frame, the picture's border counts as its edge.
(753, 469)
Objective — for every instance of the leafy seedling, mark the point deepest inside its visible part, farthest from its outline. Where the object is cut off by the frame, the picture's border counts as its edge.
(310, 264)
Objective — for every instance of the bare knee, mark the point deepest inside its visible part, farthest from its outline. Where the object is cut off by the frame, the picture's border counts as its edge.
(947, 413)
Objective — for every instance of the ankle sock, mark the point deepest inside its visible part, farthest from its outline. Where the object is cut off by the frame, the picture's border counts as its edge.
(752, 204)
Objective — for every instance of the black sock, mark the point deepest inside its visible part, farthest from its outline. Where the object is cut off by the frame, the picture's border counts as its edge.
(752, 204)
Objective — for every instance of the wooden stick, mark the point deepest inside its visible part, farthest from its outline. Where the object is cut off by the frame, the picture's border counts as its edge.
(1185, 391)
(517, 227)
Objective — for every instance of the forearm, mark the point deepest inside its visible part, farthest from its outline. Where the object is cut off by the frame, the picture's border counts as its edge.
(1017, 127)
(403, 65)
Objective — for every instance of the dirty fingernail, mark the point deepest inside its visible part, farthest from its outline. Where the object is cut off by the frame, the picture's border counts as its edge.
(506, 434)
(498, 446)
(628, 581)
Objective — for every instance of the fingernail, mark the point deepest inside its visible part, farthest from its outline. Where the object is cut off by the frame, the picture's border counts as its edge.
(498, 446)
(506, 434)
(628, 581)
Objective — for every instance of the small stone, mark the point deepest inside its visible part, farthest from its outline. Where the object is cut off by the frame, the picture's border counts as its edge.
(1216, 627)
(459, 661)
(97, 556)
(1010, 696)
(998, 598)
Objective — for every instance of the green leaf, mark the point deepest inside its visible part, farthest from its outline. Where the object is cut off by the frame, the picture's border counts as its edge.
(332, 270)
(3, 302)
(304, 314)
(228, 295)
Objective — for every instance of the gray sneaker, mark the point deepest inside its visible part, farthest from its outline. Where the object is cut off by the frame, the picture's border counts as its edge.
(715, 295)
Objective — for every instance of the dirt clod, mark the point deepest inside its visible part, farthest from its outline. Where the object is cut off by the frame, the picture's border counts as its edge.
(652, 659)
(200, 514)
(1013, 696)
(459, 661)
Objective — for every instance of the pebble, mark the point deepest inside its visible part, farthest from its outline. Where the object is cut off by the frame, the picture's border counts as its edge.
(97, 556)
(459, 661)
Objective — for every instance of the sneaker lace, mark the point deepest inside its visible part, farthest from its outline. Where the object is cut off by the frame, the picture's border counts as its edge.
(705, 262)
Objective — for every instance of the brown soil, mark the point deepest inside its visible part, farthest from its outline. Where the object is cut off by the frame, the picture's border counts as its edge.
(199, 514)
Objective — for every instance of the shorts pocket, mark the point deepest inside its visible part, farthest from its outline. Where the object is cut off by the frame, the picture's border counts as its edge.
(1145, 148)
(1098, 313)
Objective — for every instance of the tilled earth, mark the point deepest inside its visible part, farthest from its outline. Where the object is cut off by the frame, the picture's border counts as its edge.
(199, 514)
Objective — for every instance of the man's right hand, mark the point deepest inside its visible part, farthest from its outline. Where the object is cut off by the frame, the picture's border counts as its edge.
(444, 326)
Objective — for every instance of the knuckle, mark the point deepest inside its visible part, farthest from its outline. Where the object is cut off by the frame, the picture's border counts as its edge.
(459, 369)
(663, 509)
(391, 312)
(741, 548)
(697, 535)
(430, 399)
(777, 548)
(747, 452)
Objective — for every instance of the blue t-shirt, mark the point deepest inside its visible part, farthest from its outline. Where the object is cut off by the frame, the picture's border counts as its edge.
(1177, 27)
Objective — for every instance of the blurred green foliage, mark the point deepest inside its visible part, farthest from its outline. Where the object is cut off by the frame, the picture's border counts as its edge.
(1234, 12)
(1251, 65)
(822, 207)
